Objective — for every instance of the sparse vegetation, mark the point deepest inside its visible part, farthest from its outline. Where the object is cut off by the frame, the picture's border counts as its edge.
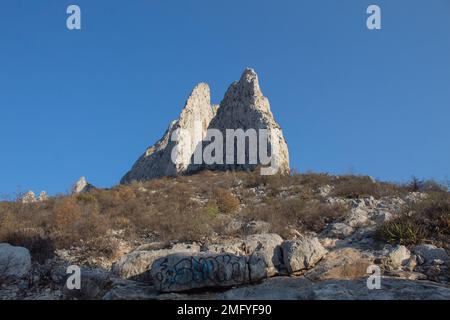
(298, 213)
(426, 220)
(191, 208)
(226, 201)
(362, 186)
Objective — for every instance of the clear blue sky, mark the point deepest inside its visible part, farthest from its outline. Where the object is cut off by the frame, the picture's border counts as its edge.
(89, 102)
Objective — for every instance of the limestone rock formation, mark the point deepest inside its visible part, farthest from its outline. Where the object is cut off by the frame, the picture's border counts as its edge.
(189, 130)
(243, 107)
(302, 254)
(28, 197)
(82, 186)
(43, 196)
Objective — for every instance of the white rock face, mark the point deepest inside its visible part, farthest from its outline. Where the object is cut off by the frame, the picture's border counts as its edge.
(243, 107)
(28, 197)
(15, 262)
(192, 125)
(82, 186)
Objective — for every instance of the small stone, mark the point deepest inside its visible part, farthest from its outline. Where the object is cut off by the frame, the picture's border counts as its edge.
(357, 218)
(82, 186)
(420, 260)
(340, 230)
(438, 262)
(411, 263)
(433, 273)
(398, 256)
(383, 216)
(324, 191)
(430, 253)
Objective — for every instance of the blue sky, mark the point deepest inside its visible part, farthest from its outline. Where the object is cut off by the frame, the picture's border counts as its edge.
(88, 102)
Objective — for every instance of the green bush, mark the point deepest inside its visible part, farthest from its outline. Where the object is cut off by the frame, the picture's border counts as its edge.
(425, 220)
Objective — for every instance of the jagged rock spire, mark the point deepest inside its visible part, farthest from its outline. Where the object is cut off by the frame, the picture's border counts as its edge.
(157, 160)
(243, 107)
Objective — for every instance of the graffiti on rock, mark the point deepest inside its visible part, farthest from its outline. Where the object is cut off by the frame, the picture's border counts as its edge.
(200, 271)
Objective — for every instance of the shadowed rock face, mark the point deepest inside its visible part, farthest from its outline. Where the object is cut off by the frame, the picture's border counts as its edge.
(243, 107)
(157, 160)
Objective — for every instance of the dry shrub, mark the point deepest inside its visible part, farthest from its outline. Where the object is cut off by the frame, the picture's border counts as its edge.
(313, 180)
(41, 247)
(226, 201)
(302, 214)
(417, 185)
(362, 186)
(73, 222)
(188, 207)
(104, 247)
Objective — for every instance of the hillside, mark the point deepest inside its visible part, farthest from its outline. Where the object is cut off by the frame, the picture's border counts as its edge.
(300, 231)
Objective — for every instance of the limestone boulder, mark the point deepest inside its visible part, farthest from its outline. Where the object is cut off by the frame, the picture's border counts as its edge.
(429, 253)
(171, 155)
(15, 262)
(345, 263)
(183, 272)
(302, 254)
(136, 264)
(398, 256)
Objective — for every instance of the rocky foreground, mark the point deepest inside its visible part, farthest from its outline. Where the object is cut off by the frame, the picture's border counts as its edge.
(334, 263)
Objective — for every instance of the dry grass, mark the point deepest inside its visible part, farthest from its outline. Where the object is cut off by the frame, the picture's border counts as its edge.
(186, 208)
(297, 213)
(363, 186)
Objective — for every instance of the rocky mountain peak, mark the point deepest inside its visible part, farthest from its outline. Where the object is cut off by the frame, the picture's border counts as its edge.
(243, 107)
(189, 130)
(197, 108)
(249, 83)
